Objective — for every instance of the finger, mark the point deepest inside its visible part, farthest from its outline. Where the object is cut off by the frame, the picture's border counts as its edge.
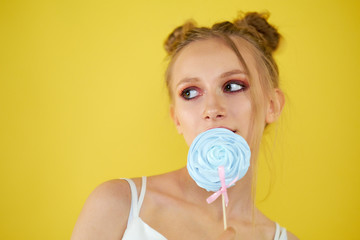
(228, 234)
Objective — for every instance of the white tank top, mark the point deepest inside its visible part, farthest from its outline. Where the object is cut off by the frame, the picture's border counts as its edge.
(137, 229)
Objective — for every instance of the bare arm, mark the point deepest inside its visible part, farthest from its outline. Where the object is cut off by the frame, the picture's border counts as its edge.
(105, 213)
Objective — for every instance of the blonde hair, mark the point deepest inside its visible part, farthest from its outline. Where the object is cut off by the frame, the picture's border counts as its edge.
(254, 34)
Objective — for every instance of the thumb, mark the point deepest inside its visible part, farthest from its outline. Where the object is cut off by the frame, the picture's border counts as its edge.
(228, 234)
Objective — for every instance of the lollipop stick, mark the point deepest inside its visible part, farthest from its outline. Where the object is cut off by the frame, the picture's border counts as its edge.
(224, 212)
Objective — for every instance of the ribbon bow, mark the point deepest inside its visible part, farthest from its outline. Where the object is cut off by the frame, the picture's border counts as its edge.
(223, 189)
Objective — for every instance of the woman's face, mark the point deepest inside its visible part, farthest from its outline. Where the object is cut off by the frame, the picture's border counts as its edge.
(210, 89)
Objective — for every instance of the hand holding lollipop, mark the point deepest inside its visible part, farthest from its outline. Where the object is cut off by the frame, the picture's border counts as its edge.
(218, 158)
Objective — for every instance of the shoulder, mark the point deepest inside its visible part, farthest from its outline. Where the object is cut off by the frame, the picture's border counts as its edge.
(105, 212)
(291, 236)
(268, 226)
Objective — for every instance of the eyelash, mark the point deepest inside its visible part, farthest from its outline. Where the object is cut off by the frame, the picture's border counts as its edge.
(243, 86)
(186, 93)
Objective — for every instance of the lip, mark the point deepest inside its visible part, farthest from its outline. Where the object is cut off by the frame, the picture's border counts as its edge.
(234, 131)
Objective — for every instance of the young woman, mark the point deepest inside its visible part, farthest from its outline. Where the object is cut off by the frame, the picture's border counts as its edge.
(218, 77)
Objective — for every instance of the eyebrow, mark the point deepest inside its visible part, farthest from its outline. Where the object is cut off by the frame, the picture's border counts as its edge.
(232, 72)
(187, 80)
(223, 75)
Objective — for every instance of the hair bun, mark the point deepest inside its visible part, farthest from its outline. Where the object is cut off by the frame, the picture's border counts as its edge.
(258, 21)
(177, 36)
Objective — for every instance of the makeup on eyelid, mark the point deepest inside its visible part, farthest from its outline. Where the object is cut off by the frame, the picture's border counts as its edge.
(230, 87)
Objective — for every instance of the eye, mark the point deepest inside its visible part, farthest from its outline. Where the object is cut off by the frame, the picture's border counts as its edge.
(234, 86)
(189, 93)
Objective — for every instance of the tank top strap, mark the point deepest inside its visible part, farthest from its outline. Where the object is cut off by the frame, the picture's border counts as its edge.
(280, 232)
(142, 193)
(135, 202)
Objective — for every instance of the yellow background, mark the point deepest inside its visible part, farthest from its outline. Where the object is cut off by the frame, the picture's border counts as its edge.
(82, 100)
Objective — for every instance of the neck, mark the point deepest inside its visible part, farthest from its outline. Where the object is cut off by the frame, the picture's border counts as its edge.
(240, 196)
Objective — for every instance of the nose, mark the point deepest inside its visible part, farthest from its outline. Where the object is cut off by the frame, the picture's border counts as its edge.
(214, 108)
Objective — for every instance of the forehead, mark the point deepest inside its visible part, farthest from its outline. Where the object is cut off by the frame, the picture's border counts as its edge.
(209, 58)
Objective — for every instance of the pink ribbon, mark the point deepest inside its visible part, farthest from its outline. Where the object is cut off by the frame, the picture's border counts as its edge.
(223, 189)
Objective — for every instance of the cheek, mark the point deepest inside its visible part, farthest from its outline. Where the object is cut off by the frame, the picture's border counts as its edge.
(188, 123)
(188, 112)
(188, 118)
(239, 105)
(240, 110)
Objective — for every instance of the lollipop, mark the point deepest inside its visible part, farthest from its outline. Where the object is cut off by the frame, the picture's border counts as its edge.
(218, 158)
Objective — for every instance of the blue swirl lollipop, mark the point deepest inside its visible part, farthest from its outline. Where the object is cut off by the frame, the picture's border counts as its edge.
(218, 147)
